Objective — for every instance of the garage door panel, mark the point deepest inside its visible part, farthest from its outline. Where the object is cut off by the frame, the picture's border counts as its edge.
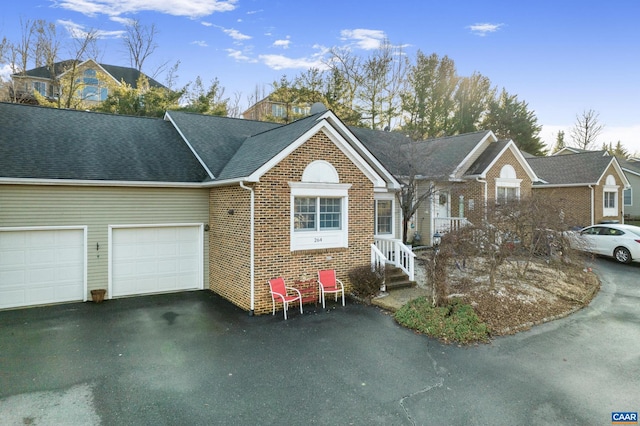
(156, 259)
(41, 266)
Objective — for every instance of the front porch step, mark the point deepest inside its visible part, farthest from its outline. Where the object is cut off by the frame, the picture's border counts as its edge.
(395, 278)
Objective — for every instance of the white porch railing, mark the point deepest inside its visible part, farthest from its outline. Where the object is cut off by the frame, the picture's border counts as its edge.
(396, 253)
(448, 224)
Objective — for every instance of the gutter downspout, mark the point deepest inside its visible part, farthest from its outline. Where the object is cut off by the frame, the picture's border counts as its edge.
(593, 207)
(252, 248)
(486, 196)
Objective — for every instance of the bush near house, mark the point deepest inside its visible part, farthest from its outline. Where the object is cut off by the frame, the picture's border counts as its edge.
(365, 281)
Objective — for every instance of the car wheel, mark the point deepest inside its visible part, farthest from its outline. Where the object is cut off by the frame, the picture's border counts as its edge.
(622, 255)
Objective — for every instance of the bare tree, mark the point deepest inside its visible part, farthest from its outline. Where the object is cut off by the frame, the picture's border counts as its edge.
(140, 42)
(586, 130)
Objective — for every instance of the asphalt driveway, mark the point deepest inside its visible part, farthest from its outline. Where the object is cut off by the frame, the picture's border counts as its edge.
(193, 358)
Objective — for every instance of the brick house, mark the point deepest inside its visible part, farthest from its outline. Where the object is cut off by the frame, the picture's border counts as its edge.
(142, 205)
(461, 173)
(589, 185)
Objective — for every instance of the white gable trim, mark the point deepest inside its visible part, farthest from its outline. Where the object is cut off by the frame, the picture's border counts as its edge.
(364, 152)
(473, 152)
(523, 162)
(81, 64)
(616, 166)
(337, 139)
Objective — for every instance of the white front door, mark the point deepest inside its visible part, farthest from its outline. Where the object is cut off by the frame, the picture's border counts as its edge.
(441, 211)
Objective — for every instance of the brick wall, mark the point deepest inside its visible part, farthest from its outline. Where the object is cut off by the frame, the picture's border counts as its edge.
(575, 203)
(230, 275)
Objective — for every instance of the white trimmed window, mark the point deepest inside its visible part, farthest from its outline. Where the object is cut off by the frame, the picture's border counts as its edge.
(628, 197)
(507, 185)
(610, 197)
(319, 209)
(384, 216)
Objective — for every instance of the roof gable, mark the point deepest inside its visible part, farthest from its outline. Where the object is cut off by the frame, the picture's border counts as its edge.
(493, 153)
(585, 168)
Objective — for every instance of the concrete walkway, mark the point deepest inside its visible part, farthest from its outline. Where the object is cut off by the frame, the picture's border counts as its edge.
(395, 299)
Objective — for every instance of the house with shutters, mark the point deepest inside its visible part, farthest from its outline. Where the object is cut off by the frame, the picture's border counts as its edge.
(143, 205)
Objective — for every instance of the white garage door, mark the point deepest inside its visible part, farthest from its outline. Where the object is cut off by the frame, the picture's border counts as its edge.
(155, 259)
(41, 266)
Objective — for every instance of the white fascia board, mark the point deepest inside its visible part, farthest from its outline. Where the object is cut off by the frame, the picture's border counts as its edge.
(471, 153)
(346, 133)
(633, 172)
(523, 162)
(337, 139)
(564, 185)
(167, 117)
(77, 182)
(616, 165)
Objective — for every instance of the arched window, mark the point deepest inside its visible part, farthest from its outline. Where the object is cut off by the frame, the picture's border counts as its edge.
(610, 197)
(319, 208)
(507, 185)
(91, 90)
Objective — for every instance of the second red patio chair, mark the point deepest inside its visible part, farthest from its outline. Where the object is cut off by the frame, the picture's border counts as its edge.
(280, 291)
(328, 283)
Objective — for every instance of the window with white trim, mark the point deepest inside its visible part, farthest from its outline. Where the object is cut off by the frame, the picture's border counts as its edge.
(384, 217)
(507, 185)
(319, 209)
(628, 197)
(610, 197)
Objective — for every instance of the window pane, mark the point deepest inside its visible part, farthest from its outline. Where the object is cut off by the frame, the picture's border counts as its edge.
(330, 213)
(383, 217)
(627, 197)
(304, 214)
(610, 200)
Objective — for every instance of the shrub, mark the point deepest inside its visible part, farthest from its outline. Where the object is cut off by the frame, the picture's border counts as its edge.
(455, 322)
(365, 282)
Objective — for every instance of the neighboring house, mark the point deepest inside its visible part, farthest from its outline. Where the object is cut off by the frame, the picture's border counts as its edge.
(631, 195)
(143, 205)
(463, 173)
(267, 108)
(47, 80)
(588, 185)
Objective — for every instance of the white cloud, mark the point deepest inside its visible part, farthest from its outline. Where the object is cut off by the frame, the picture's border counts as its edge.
(78, 31)
(239, 55)
(200, 43)
(280, 62)
(5, 72)
(282, 43)
(190, 8)
(206, 24)
(235, 34)
(482, 29)
(364, 39)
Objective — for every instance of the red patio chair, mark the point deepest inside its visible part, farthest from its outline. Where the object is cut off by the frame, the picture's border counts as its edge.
(328, 283)
(279, 291)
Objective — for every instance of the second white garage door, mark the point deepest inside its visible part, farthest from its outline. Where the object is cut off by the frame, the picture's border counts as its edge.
(155, 259)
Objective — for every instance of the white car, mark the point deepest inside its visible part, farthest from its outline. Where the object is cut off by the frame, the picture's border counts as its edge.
(621, 242)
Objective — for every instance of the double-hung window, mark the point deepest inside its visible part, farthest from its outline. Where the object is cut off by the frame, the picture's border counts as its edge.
(317, 214)
(610, 197)
(384, 217)
(507, 185)
(319, 209)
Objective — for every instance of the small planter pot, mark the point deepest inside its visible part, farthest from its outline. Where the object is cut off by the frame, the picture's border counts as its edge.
(98, 295)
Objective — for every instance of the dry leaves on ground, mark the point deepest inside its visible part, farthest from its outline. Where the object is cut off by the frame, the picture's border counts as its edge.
(547, 291)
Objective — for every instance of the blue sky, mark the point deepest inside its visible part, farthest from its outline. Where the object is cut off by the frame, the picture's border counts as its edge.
(562, 57)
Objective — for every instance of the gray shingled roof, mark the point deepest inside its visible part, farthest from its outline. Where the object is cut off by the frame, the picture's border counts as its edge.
(571, 169)
(256, 150)
(432, 158)
(128, 75)
(48, 143)
(217, 139)
(486, 158)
